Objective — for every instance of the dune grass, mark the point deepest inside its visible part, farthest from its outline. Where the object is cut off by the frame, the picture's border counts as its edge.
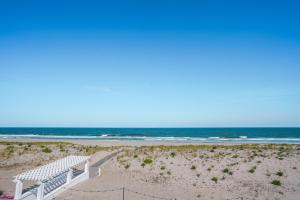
(276, 182)
(148, 161)
(214, 179)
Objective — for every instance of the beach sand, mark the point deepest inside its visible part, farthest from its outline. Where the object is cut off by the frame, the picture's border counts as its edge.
(145, 169)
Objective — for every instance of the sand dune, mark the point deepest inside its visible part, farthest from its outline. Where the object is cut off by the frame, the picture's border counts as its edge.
(174, 171)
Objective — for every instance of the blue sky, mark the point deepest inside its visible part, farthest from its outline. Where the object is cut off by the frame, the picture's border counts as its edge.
(149, 63)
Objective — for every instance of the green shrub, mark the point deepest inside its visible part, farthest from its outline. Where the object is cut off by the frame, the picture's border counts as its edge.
(173, 154)
(148, 161)
(252, 170)
(193, 167)
(61, 148)
(127, 166)
(47, 150)
(215, 179)
(279, 173)
(162, 167)
(10, 149)
(276, 182)
(226, 170)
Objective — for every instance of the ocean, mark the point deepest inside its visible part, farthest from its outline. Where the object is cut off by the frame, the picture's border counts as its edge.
(203, 135)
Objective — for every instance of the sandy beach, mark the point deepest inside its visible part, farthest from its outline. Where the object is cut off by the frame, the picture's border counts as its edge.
(165, 170)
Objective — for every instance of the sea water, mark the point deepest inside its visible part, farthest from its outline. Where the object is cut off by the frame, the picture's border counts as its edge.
(196, 135)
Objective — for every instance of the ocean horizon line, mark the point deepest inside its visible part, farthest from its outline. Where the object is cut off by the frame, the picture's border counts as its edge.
(157, 127)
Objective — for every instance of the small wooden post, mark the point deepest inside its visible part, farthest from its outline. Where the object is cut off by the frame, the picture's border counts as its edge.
(40, 192)
(86, 168)
(18, 192)
(99, 173)
(123, 193)
(69, 175)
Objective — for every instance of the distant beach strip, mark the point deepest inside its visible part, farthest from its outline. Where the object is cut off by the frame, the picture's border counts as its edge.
(191, 135)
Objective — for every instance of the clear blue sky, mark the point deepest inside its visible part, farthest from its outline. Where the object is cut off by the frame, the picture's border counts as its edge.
(149, 63)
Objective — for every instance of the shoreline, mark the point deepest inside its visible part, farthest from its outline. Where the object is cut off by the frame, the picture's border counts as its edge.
(138, 143)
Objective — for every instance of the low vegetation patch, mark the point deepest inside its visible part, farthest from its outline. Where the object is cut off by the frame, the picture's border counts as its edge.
(62, 148)
(193, 167)
(148, 161)
(276, 182)
(252, 170)
(46, 150)
(227, 171)
(193, 148)
(214, 179)
(279, 173)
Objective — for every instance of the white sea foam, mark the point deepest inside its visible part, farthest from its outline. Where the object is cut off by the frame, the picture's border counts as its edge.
(104, 135)
(214, 137)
